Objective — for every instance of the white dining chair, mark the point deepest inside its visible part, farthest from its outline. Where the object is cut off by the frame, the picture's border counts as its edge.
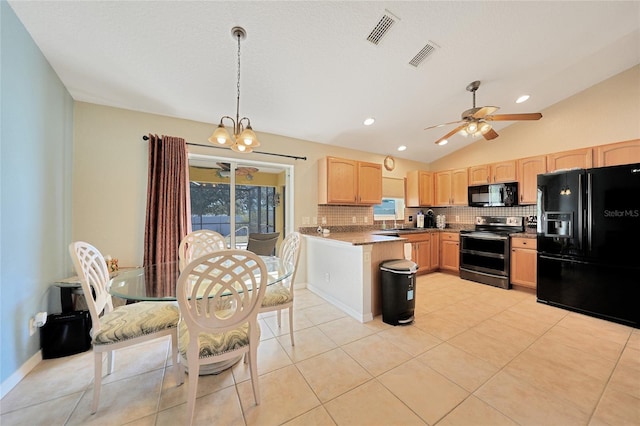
(123, 326)
(280, 296)
(219, 295)
(198, 243)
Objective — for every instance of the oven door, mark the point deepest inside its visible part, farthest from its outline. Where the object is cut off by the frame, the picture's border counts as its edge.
(485, 257)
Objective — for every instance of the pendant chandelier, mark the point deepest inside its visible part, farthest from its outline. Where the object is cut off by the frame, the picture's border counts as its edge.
(244, 139)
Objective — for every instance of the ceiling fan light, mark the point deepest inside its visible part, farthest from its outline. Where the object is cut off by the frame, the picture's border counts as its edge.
(484, 128)
(220, 136)
(442, 142)
(472, 127)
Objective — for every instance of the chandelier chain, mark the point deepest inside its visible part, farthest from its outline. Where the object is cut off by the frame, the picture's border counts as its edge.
(238, 87)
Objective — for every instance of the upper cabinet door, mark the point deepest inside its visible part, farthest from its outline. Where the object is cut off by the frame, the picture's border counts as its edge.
(528, 171)
(369, 183)
(459, 195)
(575, 159)
(479, 175)
(337, 181)
(503, 172)
(443, 188)
(617, 154)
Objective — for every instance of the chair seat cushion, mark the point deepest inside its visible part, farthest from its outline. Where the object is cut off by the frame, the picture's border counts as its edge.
(135, 320)
(212, 344)
(276, 294)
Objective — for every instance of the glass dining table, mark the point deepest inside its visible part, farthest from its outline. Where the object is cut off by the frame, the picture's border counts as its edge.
(158, 282)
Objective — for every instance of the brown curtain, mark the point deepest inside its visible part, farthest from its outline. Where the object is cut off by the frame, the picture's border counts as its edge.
(168, 206)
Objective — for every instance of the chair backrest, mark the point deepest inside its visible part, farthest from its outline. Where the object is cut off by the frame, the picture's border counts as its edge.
(219, 291)
(263, 244)
(198, 243)
(289, 254)
(94, 278)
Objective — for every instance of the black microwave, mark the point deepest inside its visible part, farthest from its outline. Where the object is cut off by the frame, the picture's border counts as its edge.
(494, 195)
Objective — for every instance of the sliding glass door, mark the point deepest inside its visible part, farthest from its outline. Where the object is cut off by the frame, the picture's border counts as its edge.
(237, 198)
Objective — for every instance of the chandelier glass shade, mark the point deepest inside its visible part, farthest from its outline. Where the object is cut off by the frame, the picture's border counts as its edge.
(244, 139)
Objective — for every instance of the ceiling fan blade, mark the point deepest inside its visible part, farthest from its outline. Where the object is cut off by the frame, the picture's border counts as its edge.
(491, 134)
(451, 133)
(484, 111)
(514, 117)
(444, 124)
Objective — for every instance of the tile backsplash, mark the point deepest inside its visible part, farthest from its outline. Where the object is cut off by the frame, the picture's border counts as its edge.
(363, 216)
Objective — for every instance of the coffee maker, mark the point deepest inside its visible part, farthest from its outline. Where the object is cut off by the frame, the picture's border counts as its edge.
(429, 219)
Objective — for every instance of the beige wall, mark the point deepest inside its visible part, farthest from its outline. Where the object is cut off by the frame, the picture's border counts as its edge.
(110, 172)
(605, 113)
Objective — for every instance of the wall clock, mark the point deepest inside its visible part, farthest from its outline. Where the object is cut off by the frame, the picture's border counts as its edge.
(389, 163)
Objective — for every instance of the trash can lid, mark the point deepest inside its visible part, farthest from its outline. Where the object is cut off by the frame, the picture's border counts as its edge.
(399, 265)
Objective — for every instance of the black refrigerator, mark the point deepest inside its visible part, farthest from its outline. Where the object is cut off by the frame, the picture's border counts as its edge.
(589, 242)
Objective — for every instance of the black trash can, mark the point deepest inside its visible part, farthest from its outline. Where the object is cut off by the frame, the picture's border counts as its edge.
(65, 334)
(398, 291)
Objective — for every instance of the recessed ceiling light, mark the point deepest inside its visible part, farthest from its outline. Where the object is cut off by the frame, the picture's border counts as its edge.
(402, 148)
(443, 142)
(369, 121)
(522, 99)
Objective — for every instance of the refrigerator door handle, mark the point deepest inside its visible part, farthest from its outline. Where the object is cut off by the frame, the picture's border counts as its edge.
(580, 215)
(589, 213)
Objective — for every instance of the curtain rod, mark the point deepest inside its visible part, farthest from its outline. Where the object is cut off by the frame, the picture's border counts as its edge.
(295, 157)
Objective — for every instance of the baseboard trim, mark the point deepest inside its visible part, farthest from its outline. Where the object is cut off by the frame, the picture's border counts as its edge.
(20, 374)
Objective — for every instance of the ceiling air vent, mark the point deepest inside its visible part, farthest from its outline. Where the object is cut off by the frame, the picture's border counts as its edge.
(427, 50)
(382, 27)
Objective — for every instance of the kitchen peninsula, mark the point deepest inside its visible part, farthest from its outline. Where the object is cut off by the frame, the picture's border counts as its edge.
(343, 269)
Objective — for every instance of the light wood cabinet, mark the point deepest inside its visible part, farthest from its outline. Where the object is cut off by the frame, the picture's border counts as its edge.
(349, 182)
(435, 250)
(577, 158)
(524, 262)
(419, 189)
(450, 251)
(615, 154)
(369, 183)
(422, 251)
(528, 171)
(504, 171)
(451, 188)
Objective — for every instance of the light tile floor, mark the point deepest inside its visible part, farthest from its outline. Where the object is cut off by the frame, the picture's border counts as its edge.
(476, 355)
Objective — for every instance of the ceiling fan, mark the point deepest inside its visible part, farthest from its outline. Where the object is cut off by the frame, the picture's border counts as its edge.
(225, 169)
(475, 121)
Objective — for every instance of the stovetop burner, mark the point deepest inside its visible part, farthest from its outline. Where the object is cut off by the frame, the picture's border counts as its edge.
(497, 225)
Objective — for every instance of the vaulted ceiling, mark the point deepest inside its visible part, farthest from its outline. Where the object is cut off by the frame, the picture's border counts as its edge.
(309, 72)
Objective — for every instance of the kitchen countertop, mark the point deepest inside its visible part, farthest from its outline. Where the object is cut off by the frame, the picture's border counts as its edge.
(359, 238)
(378, 236)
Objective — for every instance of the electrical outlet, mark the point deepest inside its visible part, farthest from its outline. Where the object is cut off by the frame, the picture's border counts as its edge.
(314, 221)
(457, 218)
(32, 326)
(366, 219)
(353, 219)
(305, 220)
(327, 277)
(324, 220)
